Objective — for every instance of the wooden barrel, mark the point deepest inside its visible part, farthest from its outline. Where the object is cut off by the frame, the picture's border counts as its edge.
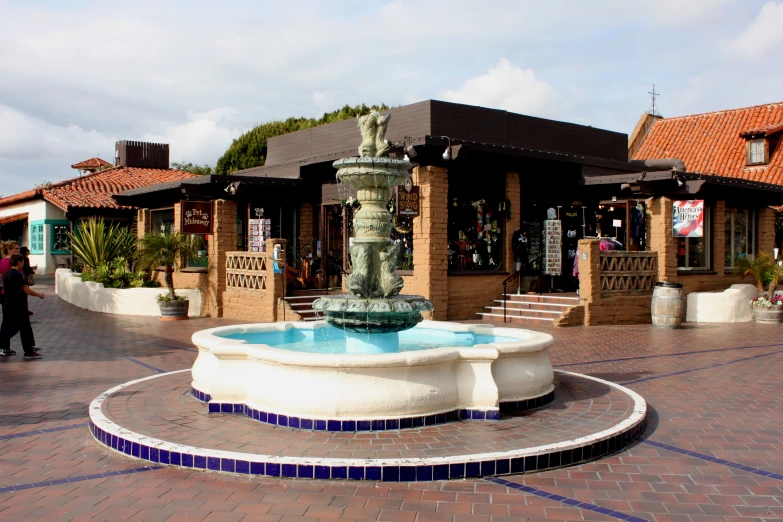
(666, 305)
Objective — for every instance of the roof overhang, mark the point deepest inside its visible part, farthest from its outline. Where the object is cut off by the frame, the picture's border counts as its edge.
(12, 218)
(674, 183)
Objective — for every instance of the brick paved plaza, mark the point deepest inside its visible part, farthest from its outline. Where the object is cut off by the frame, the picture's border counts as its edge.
(711, 450)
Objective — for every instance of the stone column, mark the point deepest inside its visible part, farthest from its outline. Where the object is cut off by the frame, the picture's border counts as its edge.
(143, 222)
(430, 240)
(719, 237)
(513, 194)
(589, 271)
(660, 238)
(766, 230)
(224, 239)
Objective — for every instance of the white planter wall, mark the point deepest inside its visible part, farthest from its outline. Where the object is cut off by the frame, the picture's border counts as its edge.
(730, 306)
(128, 301)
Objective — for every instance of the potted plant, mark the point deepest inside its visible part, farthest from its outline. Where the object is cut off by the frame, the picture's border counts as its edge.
(167, 250)
(767, 307)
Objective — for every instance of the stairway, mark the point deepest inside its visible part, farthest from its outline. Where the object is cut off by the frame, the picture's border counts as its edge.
(301, 303)
(534, 310)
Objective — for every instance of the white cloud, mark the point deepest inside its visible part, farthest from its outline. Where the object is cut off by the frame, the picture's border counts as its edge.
(23, 137)
(763, 36)
(201, 139)
(507, 87)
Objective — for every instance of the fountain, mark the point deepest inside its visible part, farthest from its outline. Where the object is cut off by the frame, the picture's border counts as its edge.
(374, 364)
(374, 305)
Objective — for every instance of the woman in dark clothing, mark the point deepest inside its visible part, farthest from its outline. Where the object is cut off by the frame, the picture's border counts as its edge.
(27, 270)
(15, 318)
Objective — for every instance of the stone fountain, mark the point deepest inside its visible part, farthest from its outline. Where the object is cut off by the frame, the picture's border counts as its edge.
(374, 305)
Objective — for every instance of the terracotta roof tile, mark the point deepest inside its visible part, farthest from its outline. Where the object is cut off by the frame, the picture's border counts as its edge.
(714, 142)
(95, 190)
(22, 196)
(92, 163)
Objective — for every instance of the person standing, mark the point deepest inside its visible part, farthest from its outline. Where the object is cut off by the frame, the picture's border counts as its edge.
(27, 270)
(15, 317)
(6, 249)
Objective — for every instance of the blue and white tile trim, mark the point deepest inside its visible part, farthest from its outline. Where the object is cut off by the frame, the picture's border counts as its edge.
(526, 460)
(399, 423)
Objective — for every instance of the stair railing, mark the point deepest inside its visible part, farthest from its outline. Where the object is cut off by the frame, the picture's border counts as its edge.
(506, 281)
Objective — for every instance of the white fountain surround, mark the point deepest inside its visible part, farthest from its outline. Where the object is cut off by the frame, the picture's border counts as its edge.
(353, 387)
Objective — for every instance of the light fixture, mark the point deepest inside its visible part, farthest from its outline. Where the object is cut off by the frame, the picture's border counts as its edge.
(447, 152)
(232, 187)
(409, 149)
(642, 176)
(680, 183)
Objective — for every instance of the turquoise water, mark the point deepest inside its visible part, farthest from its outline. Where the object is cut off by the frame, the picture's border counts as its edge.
(330, 340)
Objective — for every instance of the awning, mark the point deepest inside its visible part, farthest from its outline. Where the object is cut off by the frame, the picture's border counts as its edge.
(10, 219)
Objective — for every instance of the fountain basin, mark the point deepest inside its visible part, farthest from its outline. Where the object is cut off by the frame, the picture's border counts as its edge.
(349, 392)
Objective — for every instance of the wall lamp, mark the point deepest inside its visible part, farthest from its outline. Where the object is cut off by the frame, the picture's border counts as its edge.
(410, 150)
(232, 187)
(447, 152)
(678, 178)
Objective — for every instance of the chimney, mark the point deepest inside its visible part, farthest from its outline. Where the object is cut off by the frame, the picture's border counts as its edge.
(141, 154)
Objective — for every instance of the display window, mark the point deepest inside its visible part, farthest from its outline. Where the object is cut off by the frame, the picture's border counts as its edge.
(163, 221)
(694, 253)
(476, 225)
(740, 236)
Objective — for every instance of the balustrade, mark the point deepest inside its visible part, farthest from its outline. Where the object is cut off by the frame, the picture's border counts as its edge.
(247, 270)
(628, 272)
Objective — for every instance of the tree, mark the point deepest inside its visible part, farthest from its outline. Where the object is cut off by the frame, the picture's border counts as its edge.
(249, 150)
(166, 250)
(204, 170)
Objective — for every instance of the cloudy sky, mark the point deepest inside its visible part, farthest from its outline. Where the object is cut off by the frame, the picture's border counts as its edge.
(75, 76)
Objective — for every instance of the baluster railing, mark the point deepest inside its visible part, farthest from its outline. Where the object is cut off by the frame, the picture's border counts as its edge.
(628, 272)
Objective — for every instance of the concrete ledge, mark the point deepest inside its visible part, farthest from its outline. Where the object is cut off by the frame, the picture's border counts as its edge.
(730, 306)
(128, 301)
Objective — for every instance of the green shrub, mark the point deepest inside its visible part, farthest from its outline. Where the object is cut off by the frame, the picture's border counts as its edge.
(96, 242)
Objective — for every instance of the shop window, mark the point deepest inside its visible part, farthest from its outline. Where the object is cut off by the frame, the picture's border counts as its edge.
(201, 259)
(740, 236)
(694, 253)
(163, 221)
(37, 239)
(477, 214)
(60, 242)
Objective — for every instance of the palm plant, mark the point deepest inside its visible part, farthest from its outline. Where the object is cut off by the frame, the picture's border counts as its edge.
(95, 243)
(761, 268)
(166, 250)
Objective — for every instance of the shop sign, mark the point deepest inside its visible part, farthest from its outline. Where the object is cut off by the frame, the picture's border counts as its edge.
(196, 217)
(688, 218)
(408, 201)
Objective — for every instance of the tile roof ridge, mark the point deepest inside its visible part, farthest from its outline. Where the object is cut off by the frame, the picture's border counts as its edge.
(78, 178)
(710, 113)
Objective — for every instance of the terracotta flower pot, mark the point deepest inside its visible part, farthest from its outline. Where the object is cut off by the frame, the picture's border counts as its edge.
(768, 315)
(174, 310)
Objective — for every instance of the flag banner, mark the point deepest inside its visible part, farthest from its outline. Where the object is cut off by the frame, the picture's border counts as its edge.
(688, 218)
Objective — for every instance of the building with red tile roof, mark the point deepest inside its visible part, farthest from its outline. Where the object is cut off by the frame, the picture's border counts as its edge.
(40, 218)
(91, 164)
(717, 143)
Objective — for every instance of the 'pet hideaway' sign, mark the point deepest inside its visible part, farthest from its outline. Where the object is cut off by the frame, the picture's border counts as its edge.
(196, 217)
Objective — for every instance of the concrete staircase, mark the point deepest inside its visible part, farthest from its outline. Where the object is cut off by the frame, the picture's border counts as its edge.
(545, 310)
(301, 304)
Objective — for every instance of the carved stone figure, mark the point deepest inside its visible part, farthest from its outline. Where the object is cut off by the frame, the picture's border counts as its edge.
(381, 147)
(389, 282)
(360, 281)
(373, 129)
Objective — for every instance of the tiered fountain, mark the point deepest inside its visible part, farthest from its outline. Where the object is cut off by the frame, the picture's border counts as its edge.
(372, 365)
(371, 360)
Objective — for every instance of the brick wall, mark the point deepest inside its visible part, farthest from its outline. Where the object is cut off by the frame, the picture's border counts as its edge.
(513, 194)
(306, 229)
(468, 295)
(430, 242)
(258, 305)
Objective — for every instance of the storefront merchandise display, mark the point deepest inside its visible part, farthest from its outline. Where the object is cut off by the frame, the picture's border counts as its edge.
(553, 260)
(259, 231)
(478, 230)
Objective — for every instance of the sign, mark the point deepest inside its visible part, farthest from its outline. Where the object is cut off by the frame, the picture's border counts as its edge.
(553, 260)
(408, 202)
(617, 222)
(196, 217)
(688, 218)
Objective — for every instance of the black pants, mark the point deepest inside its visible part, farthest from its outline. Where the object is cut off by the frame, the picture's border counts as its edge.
(16, 320)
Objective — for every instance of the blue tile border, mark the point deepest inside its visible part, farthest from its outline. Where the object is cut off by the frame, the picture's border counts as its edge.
(566, 500)
(382, 473)
(353, 425)
(716, 460)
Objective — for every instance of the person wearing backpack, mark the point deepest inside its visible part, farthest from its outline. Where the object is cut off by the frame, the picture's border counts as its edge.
(15, 317)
